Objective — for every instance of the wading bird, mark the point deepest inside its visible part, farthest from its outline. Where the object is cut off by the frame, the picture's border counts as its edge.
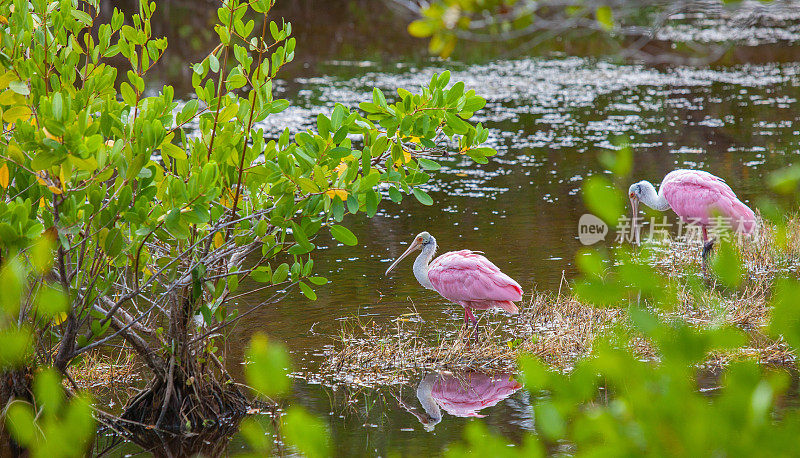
(463, 277)
(696, 197)
(460, 395)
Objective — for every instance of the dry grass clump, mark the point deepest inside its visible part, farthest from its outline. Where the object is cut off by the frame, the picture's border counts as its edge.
(371, 355)
(558, 329)
(761, 348)
(747, 309)
(771, 250)
(103, 374)
(774, 247)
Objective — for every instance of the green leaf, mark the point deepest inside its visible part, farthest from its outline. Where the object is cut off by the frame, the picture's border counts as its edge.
(785, 319)
(337, 117)
(603, 199)
(12, 279)
(42, 254)
(51, 302)
(323, 125)
(306, 432)
(369, 107)
(228, 113)
(19, 87)
(549, 420)
(47, 389)
(371, 202)
(189, 110)
(273, 30)
(619, 162)
(727, 265)
(262, 274)
(57, 106)
(455, 93)
(130, 34)
(590, 262)
(299, 249)
(442, 80)
(428, 164)
(114, 242)
(268, 367)
(14, 346)
(352, 204)
(473, 104)
(173, 151)
(279, 105)
(343, 235)
(21, 422)
(378, 97)
(421, 28)
(128, 96)
(395, 195)
(785, 180)
(534, 372)
(16, 113)
(213, 63)
(81, 17)
(299, 235)
(337, 208)
(605, 17)
(307, 291)
(423, 197)
(458, 125)
(340, 135)
(280, 274)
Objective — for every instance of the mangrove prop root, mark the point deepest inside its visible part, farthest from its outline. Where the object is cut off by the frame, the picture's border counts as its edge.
(191, 396)
(188, 401)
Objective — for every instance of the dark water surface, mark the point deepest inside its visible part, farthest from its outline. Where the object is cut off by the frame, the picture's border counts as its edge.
(550, 119)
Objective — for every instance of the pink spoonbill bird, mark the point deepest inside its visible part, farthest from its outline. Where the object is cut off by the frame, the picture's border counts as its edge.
(696, 197)
(460, 395)
(463, 277)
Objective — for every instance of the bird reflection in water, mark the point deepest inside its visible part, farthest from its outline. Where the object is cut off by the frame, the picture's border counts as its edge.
(460, 395)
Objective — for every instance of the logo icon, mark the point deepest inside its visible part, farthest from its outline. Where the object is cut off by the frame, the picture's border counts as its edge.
(591, 229)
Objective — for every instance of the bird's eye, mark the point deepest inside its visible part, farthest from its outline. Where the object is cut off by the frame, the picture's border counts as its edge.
(419, 239)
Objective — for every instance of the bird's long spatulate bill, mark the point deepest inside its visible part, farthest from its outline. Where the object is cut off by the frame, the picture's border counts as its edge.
(414, 245)
(635, 221)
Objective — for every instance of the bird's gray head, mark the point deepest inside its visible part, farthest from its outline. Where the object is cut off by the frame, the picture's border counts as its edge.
(637, 190)
(636, 193)
(423, 241)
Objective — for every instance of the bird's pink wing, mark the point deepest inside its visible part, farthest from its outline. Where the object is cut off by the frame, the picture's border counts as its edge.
(465, 276)
(697, 196)
(465, 398)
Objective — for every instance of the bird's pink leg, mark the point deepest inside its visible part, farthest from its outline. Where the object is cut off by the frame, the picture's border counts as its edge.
(468, 313)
